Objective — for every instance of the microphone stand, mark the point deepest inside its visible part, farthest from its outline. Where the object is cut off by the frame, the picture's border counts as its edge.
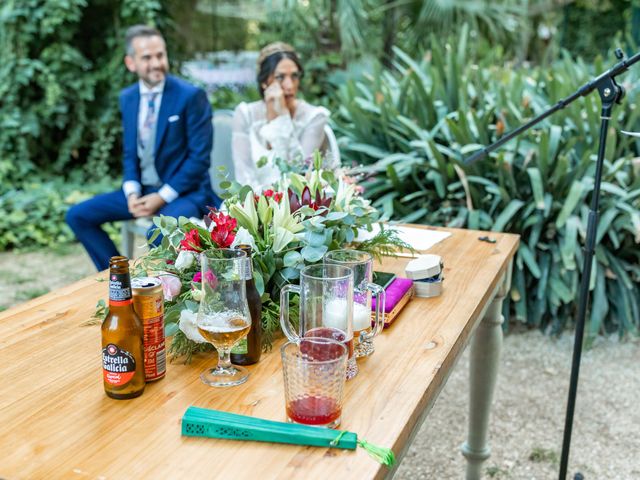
(610, 94)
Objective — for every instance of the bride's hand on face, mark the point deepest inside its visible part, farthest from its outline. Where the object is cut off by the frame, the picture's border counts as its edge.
(275, 100)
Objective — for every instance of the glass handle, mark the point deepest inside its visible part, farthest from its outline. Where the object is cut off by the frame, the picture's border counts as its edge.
(378, 323)
(285, 324)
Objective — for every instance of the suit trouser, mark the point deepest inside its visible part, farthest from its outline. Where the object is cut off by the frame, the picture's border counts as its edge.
(86, 219)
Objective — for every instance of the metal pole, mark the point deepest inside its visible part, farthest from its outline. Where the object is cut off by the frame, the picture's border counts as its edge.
(592, 227)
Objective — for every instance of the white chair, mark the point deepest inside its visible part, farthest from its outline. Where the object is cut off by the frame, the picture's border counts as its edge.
(220, 156)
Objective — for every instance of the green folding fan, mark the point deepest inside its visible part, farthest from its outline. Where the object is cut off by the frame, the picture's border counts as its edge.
(202, 422)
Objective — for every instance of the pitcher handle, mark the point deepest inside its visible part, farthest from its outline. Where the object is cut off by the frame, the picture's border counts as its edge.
(285, 324)
(378, 323)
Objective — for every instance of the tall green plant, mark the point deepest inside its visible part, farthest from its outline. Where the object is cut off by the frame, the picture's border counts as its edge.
(412, 127)
(60, 73)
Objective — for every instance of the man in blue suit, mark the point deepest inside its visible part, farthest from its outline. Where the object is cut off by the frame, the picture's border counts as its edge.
(167, 138)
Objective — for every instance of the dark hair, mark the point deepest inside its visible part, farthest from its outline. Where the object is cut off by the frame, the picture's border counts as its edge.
(269, 64)
(138, 31)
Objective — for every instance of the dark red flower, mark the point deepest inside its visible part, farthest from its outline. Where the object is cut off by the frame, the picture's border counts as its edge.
(305, 199)
(277, 196)
(268, 193)
(223, 233)
(191, 241)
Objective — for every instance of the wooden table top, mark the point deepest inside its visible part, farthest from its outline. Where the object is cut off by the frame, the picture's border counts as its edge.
(56, 421)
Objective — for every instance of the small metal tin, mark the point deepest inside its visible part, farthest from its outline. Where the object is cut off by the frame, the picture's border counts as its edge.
(425, 266)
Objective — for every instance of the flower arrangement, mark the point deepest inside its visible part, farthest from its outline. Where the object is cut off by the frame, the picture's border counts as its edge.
(291, 225)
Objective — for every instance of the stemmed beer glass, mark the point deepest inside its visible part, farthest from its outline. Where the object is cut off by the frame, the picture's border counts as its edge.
(223, 318)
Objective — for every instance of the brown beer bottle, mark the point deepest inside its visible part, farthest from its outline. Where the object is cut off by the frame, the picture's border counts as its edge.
(249, 349)
(122, 336)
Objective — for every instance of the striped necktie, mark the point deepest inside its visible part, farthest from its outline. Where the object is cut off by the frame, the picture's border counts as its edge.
(149, 121)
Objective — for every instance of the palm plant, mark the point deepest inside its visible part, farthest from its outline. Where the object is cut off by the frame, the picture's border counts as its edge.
(411, 127)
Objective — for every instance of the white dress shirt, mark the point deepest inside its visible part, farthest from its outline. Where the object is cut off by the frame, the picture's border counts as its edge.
(167, 193)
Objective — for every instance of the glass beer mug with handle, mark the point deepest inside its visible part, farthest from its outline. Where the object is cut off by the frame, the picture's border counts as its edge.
(223, 317)
(326, 307)
(362, 265)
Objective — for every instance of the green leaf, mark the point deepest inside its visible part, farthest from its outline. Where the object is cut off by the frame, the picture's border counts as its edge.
(536, 187)
(569, 246)
(292, 258)
(259, 281)
(170, 329)
(571, 202)
(529, 259)
(313, 254)
(599, 304)
(506, 215)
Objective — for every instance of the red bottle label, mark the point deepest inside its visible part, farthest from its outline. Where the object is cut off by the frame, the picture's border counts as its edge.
(118, 366)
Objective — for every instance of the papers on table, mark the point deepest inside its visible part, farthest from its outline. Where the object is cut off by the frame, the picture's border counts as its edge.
(418, 238)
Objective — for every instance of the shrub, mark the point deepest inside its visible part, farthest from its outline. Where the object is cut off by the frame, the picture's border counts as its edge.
(412, 126)
(60, 73)
(34, 215)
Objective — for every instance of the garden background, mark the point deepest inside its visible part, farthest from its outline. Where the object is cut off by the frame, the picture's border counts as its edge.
(413, 87)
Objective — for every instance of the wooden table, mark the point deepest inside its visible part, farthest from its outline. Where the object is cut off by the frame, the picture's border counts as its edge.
(56, 422)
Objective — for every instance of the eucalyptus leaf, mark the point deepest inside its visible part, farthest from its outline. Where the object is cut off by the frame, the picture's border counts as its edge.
(313, 254)
(292, 258)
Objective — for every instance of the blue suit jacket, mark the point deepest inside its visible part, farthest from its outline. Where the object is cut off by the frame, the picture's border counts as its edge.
(183, 145)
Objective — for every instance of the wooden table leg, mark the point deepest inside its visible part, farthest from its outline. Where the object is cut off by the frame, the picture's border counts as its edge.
(486, 346)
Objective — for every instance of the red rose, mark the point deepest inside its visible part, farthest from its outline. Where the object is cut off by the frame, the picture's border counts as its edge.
(268, 193)
(277, 196)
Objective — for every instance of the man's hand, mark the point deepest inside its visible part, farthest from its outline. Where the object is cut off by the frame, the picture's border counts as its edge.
(149, 204)
(134, 205)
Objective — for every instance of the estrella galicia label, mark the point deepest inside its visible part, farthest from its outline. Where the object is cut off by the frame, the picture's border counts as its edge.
(119, 286)
(118, 366)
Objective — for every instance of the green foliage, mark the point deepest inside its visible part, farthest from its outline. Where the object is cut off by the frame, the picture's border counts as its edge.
(229, 98)
(34, 215)
(60, 73)
(200, 27)
(412, 126)
(347, 34)
(543, 455)
(605, 20)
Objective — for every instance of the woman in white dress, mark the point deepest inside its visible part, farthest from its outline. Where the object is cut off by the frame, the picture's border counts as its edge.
(280, 132)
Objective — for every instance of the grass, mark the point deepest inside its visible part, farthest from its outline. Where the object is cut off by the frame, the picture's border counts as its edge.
(539, 455)
(30, 293)
(13, 278)
(497, 472)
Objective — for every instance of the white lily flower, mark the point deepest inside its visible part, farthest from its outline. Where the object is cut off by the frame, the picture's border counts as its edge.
(282, 238)
(345, 194)
(243, 237)
(282, 217)
(184, 260)
(246, 214)
(188, 326)
(264, 210)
